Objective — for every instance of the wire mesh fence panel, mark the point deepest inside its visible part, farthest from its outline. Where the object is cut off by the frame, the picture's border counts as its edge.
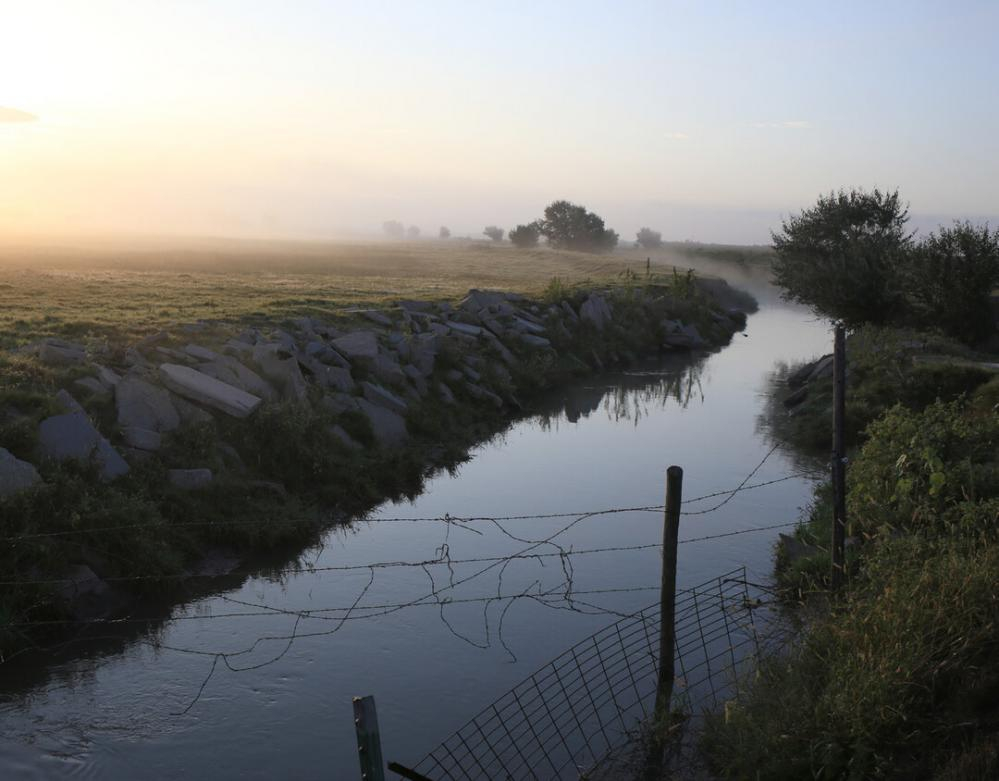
(583, 714)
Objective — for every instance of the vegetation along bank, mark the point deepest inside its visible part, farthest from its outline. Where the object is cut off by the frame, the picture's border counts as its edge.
(135, 468)
(896, 675)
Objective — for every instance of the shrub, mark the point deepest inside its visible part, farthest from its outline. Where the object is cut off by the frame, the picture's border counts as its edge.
(494, 233)
(394, 229)
(918, 469)
(525, 236)
(649, 239)
(949, 278)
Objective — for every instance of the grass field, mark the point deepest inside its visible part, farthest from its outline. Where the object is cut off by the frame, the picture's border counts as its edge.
(119, 290)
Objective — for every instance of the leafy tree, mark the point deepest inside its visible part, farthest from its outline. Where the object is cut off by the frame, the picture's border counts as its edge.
(444, 233)
(843, 256)
(949, 278)
(525, 236)
(394, 229)
(570, 226)
(413, 232)
(650, 239)
(496, 234)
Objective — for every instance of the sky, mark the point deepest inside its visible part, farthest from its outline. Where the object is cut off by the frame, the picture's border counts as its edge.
(705, 120)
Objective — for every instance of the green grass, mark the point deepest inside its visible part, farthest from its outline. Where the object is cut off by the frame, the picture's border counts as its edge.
(889, 683)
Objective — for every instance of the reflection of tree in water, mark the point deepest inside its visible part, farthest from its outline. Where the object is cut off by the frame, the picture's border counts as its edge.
(630, 396)
(773, 423)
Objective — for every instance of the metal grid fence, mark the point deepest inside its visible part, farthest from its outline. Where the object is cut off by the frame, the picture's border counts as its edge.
(583, 714)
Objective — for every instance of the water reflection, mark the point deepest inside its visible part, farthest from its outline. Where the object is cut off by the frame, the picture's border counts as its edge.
(631, 396)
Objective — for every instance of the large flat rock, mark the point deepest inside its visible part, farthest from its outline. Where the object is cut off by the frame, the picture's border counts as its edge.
(143, 405)
(193, 385)
(227, 369)
(359, 344)
(73, 437)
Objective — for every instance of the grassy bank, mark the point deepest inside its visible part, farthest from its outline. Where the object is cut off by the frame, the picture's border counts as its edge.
(282, 475)
(895, 676)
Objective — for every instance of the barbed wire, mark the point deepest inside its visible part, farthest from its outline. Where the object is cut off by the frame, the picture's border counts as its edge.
(447, 518)
(439, 560)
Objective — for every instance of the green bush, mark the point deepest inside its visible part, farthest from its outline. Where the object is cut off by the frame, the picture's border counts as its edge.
(918, 468)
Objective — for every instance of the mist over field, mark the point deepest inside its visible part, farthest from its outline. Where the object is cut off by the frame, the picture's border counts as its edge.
(249, 120)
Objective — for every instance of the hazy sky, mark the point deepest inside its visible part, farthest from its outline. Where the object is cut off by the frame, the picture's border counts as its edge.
(706, 120)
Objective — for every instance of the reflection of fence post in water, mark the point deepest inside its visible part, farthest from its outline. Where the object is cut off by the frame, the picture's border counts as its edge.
(667, 619)
(369, 746)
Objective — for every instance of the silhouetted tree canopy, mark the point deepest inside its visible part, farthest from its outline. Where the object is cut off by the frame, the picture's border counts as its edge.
(394, 229)
(496, 234)
(413, 232)
(525, 235)
(842, 257)
(950, 277)
(444, 233)
(649, 239)
(570, 226)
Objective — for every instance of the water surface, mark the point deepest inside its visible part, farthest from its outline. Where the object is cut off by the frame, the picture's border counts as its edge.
(150, 709)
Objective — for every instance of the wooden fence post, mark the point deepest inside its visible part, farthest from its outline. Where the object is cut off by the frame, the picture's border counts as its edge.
(839, 458)
(667, 629)
(667, 593)
(369, 745)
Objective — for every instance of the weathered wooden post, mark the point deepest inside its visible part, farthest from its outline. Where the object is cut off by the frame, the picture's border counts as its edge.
(667, 629)
(369, 745)
(839, 458)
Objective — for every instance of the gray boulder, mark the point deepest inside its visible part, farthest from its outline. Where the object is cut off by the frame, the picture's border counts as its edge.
(359, 344)
(480, 393)
(231, 371)
(15, 474)
(376, 317)
(333, 377)
(73, 437)
(142, 438)
(92, 385)
(445, 393)
(66, 401)
(141, 404)
(189, 479)
(201, 353)
(596, 310)
(527, 326)
(389, 427)
(340, 434)
(109, 377)
(339, 403)
(464, 328)
(535, 341)
(376, 394)
(281, 367)
(387, 369)
(56, 352)
(192, 384)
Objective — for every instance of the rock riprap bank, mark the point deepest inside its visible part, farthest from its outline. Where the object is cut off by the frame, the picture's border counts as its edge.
(207, 422)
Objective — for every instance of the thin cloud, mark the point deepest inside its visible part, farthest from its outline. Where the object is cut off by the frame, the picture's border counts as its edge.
(792, 124)
(677, 136)
(16, 115)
